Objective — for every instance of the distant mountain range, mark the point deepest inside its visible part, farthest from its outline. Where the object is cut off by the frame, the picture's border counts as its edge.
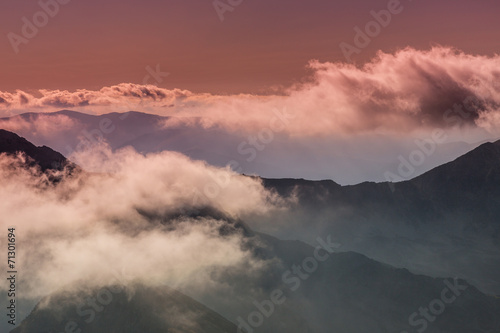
(138, 309)
(346, 161)
(432, 224)
(317, 288)
(462, 195)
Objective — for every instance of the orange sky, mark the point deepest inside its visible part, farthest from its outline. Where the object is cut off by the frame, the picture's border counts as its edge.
(260, 44)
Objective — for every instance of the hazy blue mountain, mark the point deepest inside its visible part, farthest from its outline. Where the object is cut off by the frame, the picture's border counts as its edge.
(302, 288)
(444, 222)
(366, 157)
(347, 292)
(137, 309)
(463, 195)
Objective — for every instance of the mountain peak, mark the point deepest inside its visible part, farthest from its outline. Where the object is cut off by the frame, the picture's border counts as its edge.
(45, 157)
(480, 166)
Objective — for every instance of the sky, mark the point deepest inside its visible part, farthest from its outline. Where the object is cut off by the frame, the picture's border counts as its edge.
(259, 47)
(340, 90)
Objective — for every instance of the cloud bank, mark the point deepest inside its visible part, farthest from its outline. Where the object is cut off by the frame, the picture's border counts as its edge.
(408, 90)
(128, 220)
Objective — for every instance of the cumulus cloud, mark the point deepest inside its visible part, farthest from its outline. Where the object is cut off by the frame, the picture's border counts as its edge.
(39, 125)
(397, 92)
(131, 218)
(404, 91)
(121, 97)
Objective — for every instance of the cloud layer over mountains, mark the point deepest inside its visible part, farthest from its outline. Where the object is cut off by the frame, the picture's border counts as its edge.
(119, 221)
(408, 90)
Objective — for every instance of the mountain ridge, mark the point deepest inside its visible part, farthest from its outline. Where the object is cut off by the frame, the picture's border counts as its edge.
(348, 292)
(45, 157)
(366, 158)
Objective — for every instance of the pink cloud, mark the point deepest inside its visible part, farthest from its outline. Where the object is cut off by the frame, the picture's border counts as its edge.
(38, 125)
(400, 92)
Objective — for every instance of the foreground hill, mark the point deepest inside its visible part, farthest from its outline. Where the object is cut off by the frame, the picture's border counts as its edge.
(352, 293)
(347, 292)
(139, 309)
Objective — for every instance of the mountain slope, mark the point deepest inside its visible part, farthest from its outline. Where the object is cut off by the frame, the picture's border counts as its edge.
(473, 177)
(140, 309)
(347, 292)
(462, 195)
(352, 293)
(45, 157)
(468, 188)
(445, 222)
(321, 290)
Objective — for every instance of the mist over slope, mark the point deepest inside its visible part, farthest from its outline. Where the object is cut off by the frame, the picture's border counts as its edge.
(116, 309)
(44, 157)
(346, 293)
(145, 222)
(442, 223)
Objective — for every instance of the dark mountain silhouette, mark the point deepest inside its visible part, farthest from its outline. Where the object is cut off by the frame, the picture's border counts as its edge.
(464, 193)
(472, 179)
(431, 224)
(352, 293)
(45, 157)
(467, 188)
